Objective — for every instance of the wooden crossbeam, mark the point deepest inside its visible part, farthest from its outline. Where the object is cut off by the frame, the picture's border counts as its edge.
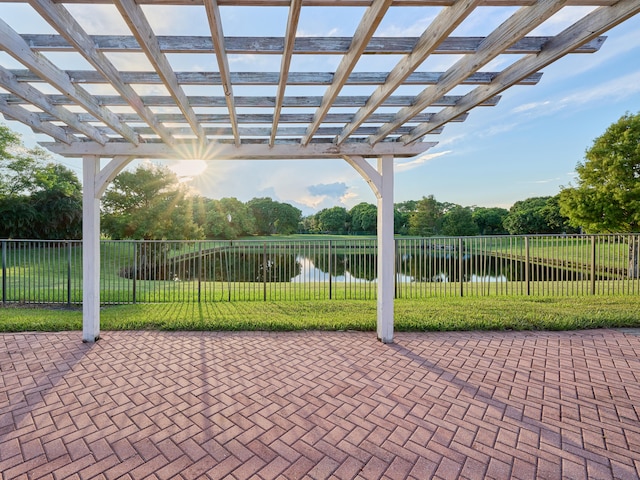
(289, 42)
(257, 102)
(60, 18)
(13, 44)
(348, 3)
(590, 26)
(246, 151)
(217, 36)
(301, 46)
(367, 27)
(260, 118)
(226, 131)
(29, 94)
(32, 120)
(441, 27)
(514, 28)
(271, 78)
(142, 31)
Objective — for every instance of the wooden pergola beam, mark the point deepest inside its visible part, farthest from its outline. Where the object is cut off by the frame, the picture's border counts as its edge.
(587, 28)
(31, 95)
(13, 44)
(347, 3)
(301, 45)
(60, 18)
(438, 30)
(289, 42)
(271, 78)
(229, 151)
(32, 120)
(142, 31)
(217, 36)
(257, 102)
(259, 118)
(514, 28)
(367, 27)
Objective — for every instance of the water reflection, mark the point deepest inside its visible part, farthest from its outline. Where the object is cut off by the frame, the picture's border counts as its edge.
(310, 273)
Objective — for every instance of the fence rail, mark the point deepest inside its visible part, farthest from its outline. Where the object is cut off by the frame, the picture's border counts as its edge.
(50, 272)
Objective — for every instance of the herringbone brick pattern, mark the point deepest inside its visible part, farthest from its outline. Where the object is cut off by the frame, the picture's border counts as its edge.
(320, 405)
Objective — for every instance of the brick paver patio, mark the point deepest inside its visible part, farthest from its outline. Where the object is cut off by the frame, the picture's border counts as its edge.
(321, 405)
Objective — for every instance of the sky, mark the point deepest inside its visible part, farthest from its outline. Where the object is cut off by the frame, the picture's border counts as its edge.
(526, 146)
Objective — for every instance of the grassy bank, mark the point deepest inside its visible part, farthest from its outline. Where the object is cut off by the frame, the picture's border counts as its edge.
(434, 314)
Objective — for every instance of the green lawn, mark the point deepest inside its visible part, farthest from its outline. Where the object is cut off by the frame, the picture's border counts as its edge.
(432, 314)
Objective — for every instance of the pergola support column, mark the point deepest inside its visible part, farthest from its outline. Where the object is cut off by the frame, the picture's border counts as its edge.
(90, 250)
(386, 251)
(381, 182)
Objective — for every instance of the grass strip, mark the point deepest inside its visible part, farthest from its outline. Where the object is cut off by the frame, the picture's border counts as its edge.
(434, 314)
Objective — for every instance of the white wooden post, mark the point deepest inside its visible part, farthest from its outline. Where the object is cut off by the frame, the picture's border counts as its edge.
(90, 250)
(386, 251)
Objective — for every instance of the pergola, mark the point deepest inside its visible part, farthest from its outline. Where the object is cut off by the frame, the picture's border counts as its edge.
(108, 131)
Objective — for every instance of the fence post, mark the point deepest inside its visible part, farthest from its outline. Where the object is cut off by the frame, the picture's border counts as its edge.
(4, 272)
(396, 268)
(330, 269)
(526, 264)
(135, 268)
(68, 273)
(593, 264)
(460, 266)
(199, 270)
(264, 270)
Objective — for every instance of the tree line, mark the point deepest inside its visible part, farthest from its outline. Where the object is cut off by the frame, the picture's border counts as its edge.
(41, 199)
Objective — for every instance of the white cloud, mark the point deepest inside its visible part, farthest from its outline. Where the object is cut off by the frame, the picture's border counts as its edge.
(531, 106)
(99, 19)
(417, 162)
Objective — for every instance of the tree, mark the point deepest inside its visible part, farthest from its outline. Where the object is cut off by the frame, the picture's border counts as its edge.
(273, 217)
(364, 218)
(528, 217)
(458, 221)
(150, 204)
(401, 214)
(333, 220)
(228, 218)
(490, 220)
(39, 199)
(425, 220)
(607, 195)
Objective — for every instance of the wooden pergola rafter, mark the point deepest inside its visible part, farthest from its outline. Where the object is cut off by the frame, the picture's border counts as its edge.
(127, 121)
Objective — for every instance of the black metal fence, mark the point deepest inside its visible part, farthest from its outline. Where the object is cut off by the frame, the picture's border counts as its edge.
(50, 272)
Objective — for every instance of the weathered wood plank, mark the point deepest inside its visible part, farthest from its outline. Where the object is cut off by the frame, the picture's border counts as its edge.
(258, 118)
(510, 31)
(248, 150)
(439, 29)
(302, 45)
(134, 17)
(590, 26)
(60, 18)
(345, 3)
(271, 78)
(12, 43)
(287, 51)
(372, 17)
(241, 101)
(56, 113)
(32, 120)
(217, 36)
(268, 133)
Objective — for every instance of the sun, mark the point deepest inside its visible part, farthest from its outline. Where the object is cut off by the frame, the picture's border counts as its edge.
(187, 170)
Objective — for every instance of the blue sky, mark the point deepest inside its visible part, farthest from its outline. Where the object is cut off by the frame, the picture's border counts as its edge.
(528, 145)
